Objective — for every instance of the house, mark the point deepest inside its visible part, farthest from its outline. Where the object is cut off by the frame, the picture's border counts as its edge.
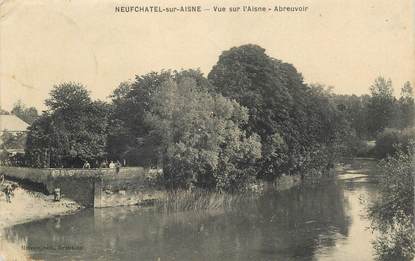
(14, 129)
(12, 124)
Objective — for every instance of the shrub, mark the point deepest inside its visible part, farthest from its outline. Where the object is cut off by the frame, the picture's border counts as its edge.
(393, 213)
(390, 140)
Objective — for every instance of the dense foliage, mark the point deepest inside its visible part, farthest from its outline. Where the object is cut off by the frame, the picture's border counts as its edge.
(71, 131)
(369, 115)
(200, 137)
(355, 110)
(10, 140)
(194, 134)
(390, 141)
(253, 117)
(128, 134)
(380, 106)
(298, 125)
(393, 213)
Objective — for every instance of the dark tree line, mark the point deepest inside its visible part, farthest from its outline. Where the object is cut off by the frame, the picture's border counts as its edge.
(297, 124)
(371, 114)
(381, 117)
(251, 117)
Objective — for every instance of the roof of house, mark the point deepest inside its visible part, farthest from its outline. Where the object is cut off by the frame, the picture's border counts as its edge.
(12, 123)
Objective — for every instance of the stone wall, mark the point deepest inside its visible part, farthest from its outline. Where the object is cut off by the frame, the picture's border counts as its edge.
(91, 187)
(126, 189)
(106, 188)
(109, 194)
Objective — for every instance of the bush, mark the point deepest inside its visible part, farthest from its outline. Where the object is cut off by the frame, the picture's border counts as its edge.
(393, 213)
(390, 140)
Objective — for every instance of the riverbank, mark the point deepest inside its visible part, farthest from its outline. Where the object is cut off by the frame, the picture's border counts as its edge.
(357, 168)
(28, 205)
(315, 222)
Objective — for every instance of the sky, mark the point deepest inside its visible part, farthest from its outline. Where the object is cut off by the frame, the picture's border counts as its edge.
(345, 44)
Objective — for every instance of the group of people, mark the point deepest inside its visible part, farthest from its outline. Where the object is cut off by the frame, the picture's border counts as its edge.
(104, 164)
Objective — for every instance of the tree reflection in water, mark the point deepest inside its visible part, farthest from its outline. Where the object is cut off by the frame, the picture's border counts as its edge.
(289, 225)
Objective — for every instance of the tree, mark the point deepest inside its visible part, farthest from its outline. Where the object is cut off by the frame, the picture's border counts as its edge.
(381, 106)
(194, 134)
(39, 142)
(120, 143)
(354, 109)
(284, 111)
(129, 136)
(28, 115)
(201, 140)
(72, 130)
(407, 106)
(392, 214)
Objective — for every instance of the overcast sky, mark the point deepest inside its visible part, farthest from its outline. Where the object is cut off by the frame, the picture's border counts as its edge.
(345, 44)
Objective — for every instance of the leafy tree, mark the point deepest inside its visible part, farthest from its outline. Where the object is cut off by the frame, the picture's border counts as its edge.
(327, 132)
(407, 106)
(392, 214)
(381, 105)
(355, 111)
(39, 142)
(128, 135)
(72, 130)
(170, 118)
(120, 141)
(201, 142)
(28, 115)
(293, 120)
(390, 141)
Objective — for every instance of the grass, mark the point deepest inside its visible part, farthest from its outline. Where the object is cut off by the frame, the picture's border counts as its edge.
(200, 200)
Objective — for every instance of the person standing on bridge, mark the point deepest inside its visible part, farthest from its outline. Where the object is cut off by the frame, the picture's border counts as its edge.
(112, 165)
(86, 165)
(117, 166)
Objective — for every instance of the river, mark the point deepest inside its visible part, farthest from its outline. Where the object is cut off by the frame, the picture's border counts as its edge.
(309, 222)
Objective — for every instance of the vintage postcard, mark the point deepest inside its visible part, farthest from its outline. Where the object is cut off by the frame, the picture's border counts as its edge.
(207, 130)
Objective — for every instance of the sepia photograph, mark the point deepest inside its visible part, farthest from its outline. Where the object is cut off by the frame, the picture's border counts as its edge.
(160, 130)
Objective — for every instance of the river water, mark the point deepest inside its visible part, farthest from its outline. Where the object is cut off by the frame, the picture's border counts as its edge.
(308, 222)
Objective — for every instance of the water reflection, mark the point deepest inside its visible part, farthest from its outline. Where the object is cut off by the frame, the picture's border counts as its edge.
(305, 223)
